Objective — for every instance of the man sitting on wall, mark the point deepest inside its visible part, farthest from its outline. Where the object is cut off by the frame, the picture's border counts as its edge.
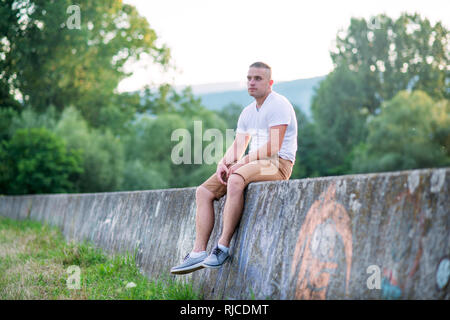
(271, 125)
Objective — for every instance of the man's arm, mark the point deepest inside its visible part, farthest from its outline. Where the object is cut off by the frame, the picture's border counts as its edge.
(234, 153)
(271, 148)
(237, 149)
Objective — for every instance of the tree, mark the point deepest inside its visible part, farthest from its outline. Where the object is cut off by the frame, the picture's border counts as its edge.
(230, 113)
(411, 131)
(103, 153)
(29, 118)
(36, 161)
(150, 136)
(307, 157)
(373, 61)
(138, 176)
(408, 53)
(6, 116)
(50, 63)
(339, 109)
(166, 99)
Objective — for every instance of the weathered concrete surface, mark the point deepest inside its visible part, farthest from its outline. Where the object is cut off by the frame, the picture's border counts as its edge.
(322, 238)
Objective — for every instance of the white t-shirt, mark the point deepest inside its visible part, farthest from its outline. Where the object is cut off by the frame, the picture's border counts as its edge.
(275, 110)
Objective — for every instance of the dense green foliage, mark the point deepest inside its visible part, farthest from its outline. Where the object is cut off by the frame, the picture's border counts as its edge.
(50, 63)
(389, 56)
(411, 131)
(375, 60)
(339, 110)
(65, 128)
(36, 161)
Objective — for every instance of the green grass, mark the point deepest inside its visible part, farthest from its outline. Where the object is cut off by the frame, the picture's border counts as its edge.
(34, 262)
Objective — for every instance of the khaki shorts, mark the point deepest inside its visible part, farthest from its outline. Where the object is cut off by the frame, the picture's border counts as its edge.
(275, 168)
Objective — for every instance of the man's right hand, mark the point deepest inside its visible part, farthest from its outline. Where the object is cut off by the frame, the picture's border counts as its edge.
(222, 172)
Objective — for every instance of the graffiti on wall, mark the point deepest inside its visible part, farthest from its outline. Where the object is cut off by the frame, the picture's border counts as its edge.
(404, 259)
(315, 255)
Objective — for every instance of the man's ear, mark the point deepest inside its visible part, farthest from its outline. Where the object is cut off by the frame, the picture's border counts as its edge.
(271, 82)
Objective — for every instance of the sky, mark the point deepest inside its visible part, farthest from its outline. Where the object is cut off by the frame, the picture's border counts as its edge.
(215, 41)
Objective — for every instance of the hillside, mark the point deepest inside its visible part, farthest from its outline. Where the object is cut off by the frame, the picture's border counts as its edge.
(299, 92)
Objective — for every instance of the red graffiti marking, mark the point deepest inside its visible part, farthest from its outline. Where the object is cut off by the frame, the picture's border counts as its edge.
(325, 220)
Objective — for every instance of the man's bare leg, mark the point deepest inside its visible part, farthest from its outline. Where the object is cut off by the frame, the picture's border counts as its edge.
(204, 223)
(204, 218)
(234, 205)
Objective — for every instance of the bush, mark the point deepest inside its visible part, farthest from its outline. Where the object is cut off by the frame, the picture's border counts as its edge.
(138, 176)
(408, 133)
(6, 116)
(103, 153)
(35, 160)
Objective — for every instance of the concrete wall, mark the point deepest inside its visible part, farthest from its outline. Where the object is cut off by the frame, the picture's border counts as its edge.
(322, 238)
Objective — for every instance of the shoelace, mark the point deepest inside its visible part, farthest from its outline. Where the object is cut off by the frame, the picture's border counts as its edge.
(217, 251)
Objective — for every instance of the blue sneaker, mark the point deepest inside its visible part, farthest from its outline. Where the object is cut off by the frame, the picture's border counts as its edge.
(215, 259)
(189, 265)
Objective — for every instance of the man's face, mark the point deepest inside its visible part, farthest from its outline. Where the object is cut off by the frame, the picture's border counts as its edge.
(258, 82)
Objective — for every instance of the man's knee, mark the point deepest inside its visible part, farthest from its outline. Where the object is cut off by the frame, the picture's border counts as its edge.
(235, 184)
(201, 193)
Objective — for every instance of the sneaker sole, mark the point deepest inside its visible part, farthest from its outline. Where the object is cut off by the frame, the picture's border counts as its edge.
(189, 269)
(215, 266)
